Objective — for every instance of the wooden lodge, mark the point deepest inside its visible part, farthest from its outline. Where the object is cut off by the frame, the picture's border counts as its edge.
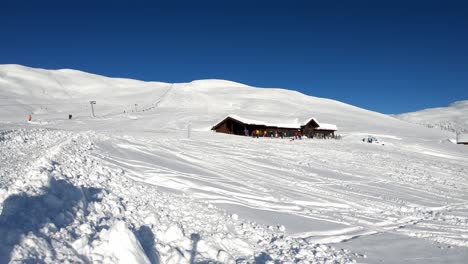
(462, 139)
(311, 128)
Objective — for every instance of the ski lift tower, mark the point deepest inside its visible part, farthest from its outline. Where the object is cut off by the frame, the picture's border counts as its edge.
(92, 108)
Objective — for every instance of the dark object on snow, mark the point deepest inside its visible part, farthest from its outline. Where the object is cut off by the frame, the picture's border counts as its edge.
(372, 139)
(236, 126)
(70, 116)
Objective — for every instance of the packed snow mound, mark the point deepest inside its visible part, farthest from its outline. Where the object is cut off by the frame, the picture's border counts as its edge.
(50, 95)
(119, 245)
(452, 118)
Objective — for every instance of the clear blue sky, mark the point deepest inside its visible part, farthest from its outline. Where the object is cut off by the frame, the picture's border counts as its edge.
(387, 56)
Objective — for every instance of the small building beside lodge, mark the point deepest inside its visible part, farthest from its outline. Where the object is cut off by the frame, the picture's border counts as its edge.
(311, 128)
(462, 139)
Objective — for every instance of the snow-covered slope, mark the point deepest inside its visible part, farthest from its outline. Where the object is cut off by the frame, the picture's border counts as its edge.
(452, 118)
(141, 187)
(59, 92)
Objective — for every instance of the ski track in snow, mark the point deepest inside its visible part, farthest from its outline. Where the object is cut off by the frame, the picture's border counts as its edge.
(65, 203)
(344, 190)
(370, 190)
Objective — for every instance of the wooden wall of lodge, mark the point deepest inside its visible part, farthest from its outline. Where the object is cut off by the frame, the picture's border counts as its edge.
(236, 128)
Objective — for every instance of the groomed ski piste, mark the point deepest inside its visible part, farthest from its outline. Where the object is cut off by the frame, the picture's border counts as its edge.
(146, 181)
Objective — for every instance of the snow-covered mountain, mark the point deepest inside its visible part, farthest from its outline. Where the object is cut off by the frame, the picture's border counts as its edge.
(56, 93)
(146, 181)
(452, 118)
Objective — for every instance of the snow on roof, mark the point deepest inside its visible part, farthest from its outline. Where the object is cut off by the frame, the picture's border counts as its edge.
(462, 138)
(262, 123)
(310, 119)
(297, 125)
(323, 126)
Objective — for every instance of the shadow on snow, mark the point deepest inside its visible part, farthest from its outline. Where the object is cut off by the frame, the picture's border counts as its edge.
(57, 207)
(146, 238)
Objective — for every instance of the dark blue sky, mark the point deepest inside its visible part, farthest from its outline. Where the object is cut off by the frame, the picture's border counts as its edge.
(387, 56)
